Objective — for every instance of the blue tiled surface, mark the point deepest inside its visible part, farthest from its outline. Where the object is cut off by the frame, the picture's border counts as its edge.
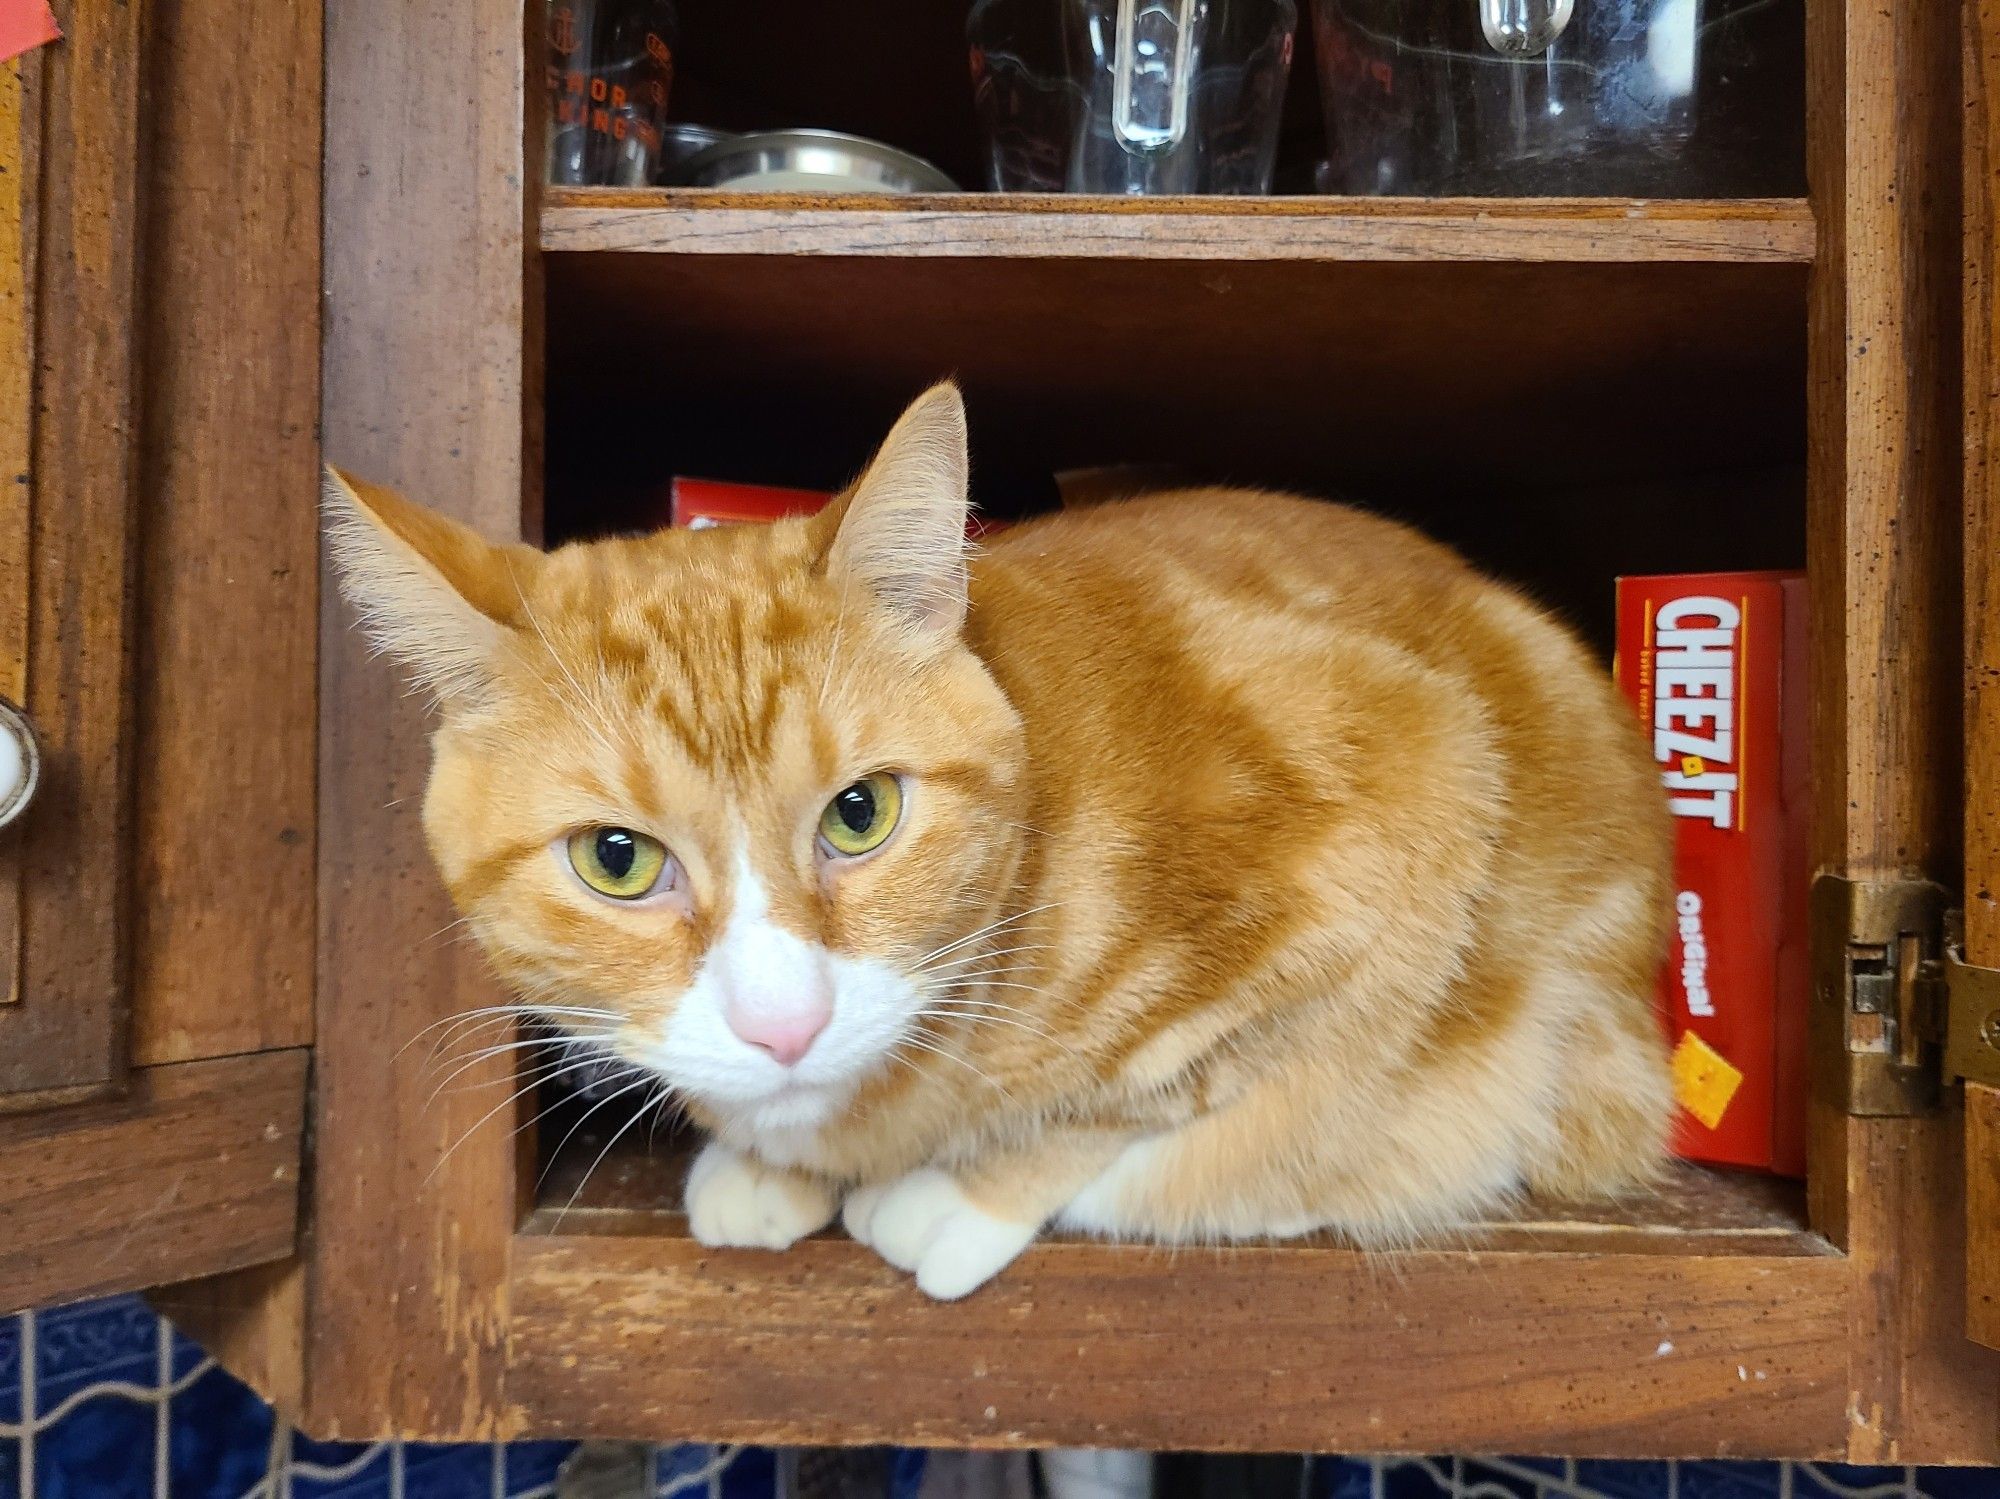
(321, 1470)
(533, 1465)
(10, 1372)
(906, 1473)
(1343, 1478)
(1733, 1480)
(1843, 1481)
(93, 1405)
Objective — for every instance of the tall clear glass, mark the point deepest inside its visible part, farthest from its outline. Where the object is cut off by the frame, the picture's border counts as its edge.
(1131, 96)
(610, 72)
(1638, 98)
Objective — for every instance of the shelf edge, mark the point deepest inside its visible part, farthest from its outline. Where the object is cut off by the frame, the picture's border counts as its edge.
(1762, 231)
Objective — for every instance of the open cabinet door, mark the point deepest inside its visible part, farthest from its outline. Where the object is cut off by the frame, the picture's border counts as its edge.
(68, 228)
(1982, 652)
(111, 1175)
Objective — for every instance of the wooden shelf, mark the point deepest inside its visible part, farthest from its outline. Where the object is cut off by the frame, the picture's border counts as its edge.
(635, 1188)
(987, 226)
(1705, 1318)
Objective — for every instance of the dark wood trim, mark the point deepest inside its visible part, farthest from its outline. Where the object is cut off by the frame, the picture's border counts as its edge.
(193, 1171)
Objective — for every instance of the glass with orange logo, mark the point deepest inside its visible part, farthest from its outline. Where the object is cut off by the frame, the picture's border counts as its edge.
(610, 70)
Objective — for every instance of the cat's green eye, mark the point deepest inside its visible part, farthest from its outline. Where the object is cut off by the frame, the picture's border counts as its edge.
(617, 861)
(861, 817)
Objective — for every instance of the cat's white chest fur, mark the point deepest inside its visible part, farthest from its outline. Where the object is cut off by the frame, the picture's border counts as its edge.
(796, 1148)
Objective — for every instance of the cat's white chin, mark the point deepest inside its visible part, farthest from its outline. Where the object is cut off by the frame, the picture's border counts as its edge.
(799, 1107)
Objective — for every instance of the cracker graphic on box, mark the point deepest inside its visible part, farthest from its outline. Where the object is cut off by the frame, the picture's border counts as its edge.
(1704, 1081)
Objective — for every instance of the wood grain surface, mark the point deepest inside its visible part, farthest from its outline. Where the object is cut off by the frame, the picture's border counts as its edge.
(405, 1310)
(1981, 67)
(1281, 1348)
(20, 203)
(68, 1034)
(984, 226)
(194, 1170)
(1884, 535)
(630, 1183)
(229, 481)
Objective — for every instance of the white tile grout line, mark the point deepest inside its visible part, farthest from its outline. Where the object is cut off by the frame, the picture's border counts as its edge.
(30, 1377)
(709, 1474)
(163, 1379)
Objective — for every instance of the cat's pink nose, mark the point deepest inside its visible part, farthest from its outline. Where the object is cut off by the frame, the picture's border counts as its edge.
(784, 1037)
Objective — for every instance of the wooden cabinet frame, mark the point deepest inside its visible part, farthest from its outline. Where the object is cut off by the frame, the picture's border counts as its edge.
(431, 1299)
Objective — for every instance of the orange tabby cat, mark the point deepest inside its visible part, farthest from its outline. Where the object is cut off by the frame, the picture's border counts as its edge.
(1206, 865)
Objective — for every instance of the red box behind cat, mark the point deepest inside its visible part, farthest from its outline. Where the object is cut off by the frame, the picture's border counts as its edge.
(696, 503)
(1716, 665)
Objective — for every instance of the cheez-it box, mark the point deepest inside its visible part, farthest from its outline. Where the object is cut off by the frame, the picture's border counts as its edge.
(1715, 664)
(696, 503)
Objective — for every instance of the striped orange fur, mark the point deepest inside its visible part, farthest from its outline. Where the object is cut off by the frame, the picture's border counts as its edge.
(1260, 867)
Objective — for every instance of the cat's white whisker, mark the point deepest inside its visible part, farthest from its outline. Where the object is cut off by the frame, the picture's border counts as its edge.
(464, 1064)
(645, 1081)
(974, 1018)
(504, 1103)
(952, 1056)
(645, 1106)
(947, 982)
(988, 930)
(525, 1009)
(537, 1072)
(981, 1002)
(980, 956)
(448, 927)
(463, 1028)
(461, 1017)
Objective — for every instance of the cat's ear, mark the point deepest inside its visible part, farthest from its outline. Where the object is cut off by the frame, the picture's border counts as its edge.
(902, 529)
(439, 597)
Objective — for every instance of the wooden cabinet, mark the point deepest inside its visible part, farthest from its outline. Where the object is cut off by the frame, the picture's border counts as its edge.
(158, 395)
(1568, 388)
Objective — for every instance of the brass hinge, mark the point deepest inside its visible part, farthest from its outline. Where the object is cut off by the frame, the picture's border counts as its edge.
(1877, 1030)
(1972, 1011)
(1897, 1010)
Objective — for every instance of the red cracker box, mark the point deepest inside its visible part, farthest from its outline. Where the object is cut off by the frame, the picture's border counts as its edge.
(711, 502)
(695, 503)
(1715, 663)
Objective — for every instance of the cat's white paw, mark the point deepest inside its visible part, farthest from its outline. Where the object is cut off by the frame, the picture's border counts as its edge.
(926, 1224)
(734, 1202)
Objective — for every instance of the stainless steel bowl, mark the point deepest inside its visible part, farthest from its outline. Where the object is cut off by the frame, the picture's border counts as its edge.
(680, 143)
(812, 161)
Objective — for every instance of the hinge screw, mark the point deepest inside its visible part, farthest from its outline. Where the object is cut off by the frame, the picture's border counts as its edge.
(1989, 1030)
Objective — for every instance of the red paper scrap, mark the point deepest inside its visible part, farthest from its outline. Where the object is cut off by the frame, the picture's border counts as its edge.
(25, 24)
